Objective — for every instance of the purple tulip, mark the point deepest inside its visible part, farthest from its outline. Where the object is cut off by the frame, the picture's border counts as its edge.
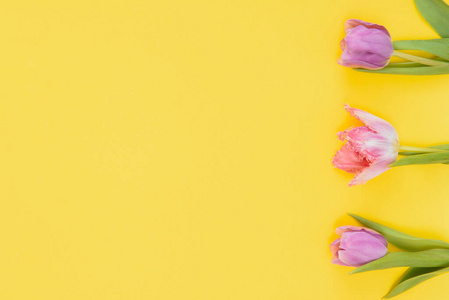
(357, 246)
(366, 45)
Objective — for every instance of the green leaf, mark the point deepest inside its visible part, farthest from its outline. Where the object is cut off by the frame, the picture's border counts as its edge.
(407, 70)
(409, 153)
(442, 147)
(400, 239)
(438, 47)
(422, 159)
(427, 258)
(436, 13)
(413, 277)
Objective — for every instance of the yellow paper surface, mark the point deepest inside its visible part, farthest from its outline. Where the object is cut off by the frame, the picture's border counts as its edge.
(182, 149)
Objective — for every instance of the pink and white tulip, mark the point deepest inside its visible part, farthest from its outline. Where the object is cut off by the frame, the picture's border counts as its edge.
(357, 246)
(366, 45)
(369, 149)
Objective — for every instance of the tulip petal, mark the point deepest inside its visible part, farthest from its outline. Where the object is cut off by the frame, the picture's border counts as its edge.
(337, 261)
(367, 174)
(349, 160)
(354, 63)
(359, 248)
(351, 23)
(354, 259)
(340, 230)
(347, 237)
(371, 144)
(375, 123)
(335, 246)
(343, 44)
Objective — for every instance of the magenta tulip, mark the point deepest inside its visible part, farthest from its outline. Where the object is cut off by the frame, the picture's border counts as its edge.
(369, 150)
(366, 45)
(357, 246)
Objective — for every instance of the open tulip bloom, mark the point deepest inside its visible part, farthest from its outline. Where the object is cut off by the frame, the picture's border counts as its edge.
(366, 249)
(368, 47)
(374, 148)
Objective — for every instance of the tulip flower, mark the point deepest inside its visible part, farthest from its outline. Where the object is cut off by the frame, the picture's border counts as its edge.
(369, 47)
(369, 150)
(366, 249)
(373, 148)
(357, 246)
(366, 45)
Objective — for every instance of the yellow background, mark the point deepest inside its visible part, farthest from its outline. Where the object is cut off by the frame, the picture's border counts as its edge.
(182, 149)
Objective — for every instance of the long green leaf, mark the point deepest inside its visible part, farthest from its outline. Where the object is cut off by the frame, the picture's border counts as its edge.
(442, 147)
(402, 240)
(436, 13)
(438, 47)
(427, 258)
(424, 70)
(422, 159)
(413, 277)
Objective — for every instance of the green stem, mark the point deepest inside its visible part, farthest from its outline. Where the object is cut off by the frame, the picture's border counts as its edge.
(419, 149)
(418, 59)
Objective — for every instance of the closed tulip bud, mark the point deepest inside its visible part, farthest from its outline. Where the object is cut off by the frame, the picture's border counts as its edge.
(366, 45)
(357, 246)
